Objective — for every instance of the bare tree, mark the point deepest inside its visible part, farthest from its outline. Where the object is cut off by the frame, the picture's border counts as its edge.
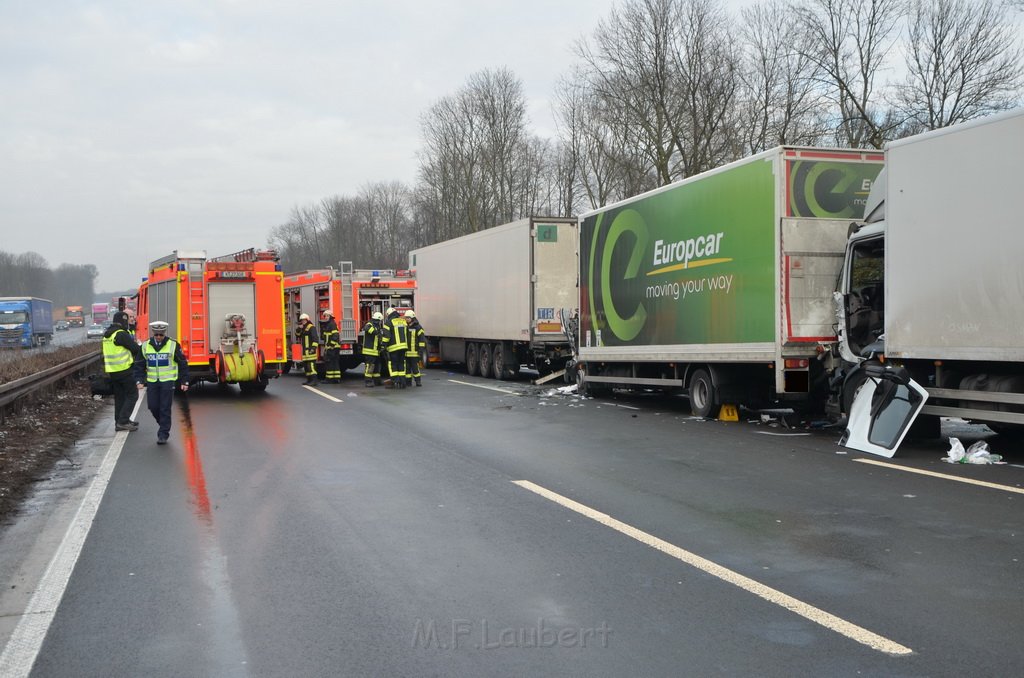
(781, 99)
(964, 61)
(848, 41)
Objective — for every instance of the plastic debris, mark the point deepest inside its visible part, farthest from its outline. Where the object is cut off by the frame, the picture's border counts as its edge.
(978, 453)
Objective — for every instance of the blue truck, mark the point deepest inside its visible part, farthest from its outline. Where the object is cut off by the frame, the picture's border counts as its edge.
(25, 322)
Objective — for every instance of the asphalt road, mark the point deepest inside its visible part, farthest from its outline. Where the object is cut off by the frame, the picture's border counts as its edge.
(432, 531)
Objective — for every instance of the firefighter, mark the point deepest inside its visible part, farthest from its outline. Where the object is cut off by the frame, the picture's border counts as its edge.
(332, 349)
(306, 332)
(416, 343)
(396, 341)
(120, 353)
(165, 368)
(371, 349)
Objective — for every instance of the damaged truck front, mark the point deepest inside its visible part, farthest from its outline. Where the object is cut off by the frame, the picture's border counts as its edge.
(931, 298)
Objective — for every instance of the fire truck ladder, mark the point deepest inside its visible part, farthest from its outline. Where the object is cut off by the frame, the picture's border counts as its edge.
(196, 312)
(348, 328)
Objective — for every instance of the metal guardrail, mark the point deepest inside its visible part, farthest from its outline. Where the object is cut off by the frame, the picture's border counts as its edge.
(19, 388)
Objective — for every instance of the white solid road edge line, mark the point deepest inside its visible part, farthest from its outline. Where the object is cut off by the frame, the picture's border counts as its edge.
(24, 644)
(944, 476)
(829, 621)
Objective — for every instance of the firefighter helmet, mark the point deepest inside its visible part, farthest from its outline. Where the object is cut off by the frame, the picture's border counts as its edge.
(389, 311)
(303, 316)
(378, 316)
(410, 314)
(326, 314)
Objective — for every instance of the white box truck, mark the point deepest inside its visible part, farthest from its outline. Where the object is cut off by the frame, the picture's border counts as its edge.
(492, 300)
(933, 287)
(720, 285)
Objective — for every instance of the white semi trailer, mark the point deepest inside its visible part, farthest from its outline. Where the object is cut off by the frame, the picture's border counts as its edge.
(493, 300)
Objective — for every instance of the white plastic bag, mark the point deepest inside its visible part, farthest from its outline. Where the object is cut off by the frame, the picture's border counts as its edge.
(956, 452)
(978, 453)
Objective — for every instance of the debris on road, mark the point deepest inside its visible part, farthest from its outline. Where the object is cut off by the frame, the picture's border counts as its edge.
(978, 453)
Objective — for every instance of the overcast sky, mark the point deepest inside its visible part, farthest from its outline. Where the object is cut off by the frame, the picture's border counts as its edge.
(133, 128)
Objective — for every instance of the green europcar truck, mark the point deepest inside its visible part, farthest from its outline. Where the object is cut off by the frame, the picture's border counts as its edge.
(721, 285)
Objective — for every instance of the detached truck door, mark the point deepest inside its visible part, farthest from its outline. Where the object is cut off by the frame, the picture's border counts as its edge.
(883, 410)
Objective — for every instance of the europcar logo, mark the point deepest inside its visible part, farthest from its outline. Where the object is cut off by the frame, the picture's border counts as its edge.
(620, 289)
(625, 224)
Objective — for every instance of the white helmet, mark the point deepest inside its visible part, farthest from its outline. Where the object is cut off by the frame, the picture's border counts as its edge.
(378, 316)
(390, 310)
(158, 326)
(326, 314)
(410, 314)
(304, 316)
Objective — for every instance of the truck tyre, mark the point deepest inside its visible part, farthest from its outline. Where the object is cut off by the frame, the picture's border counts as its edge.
(486, 361)
(703, 399)
(501, 370)
(472, 359)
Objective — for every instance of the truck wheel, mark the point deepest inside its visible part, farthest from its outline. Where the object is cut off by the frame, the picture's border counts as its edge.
(501, 371)
(472, 359)
(485, 361)
(703, 401)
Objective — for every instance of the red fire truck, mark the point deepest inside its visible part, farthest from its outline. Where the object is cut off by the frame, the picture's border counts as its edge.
(226, 313)
(352, 295)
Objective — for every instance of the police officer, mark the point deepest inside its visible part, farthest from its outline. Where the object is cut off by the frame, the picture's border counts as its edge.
(332, 349)
(371, 349)
(396, 341)
(120, 353)
(416, 343)
(165, 369)
(307, 335)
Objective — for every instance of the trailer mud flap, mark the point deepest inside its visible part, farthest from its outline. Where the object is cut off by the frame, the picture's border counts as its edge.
(883, 410)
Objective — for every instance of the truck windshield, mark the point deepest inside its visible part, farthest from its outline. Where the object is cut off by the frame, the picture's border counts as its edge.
(13, 317)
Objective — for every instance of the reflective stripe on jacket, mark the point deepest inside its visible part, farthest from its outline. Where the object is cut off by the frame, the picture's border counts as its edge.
(371, 339)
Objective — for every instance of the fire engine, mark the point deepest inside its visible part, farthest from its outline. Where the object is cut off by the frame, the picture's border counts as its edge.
(352, 295)
(226, 313)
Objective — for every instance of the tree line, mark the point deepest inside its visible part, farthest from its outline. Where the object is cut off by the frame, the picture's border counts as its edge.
(29, 275)
(665, 89)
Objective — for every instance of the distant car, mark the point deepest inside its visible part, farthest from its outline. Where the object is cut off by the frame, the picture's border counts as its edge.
(94, 331)
(61, 325)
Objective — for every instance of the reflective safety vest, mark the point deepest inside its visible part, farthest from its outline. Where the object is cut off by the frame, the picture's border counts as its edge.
(115, 358)
(160, 364)
(371, 339)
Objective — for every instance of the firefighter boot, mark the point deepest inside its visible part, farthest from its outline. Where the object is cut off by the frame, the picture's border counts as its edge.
(418, 382)
(369, 383)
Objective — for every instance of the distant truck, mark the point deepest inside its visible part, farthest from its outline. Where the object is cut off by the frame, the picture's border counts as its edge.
(720, 285)
(74, 316)
(931, 302)
(491, 300)
(101, 313)
(352, 295)
(25, 322)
